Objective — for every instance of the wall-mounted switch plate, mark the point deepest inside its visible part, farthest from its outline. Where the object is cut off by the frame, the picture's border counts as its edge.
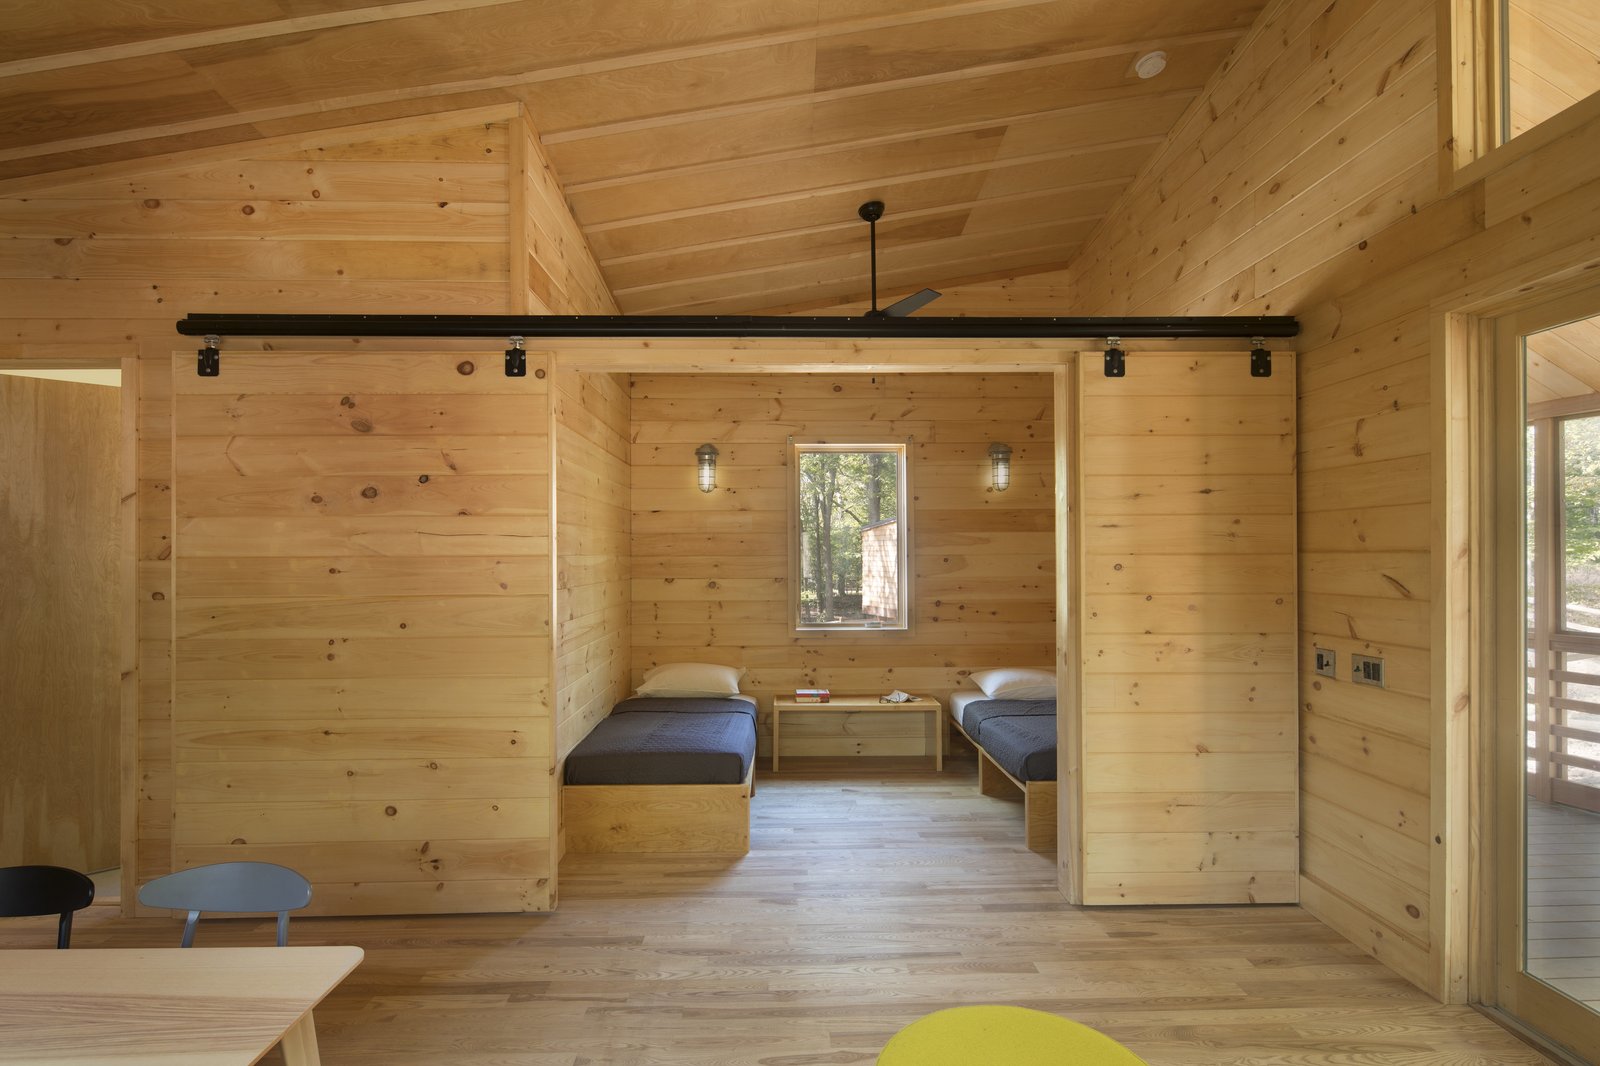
(1325, 660)
(1366, 670)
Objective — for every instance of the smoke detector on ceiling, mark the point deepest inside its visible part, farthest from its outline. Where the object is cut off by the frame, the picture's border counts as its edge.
(1150, 64)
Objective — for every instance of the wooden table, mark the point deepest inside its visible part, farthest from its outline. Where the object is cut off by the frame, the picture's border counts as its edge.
(165, 1006)
(855, 705)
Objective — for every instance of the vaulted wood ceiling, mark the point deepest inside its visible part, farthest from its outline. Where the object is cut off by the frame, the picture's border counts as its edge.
(714, 151)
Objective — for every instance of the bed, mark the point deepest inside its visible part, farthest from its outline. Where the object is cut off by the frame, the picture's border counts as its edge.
(1016, 744)
(663, 774)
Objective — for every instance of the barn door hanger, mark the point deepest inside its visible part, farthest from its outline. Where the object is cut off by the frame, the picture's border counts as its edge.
(209, 361)
(1260, 358)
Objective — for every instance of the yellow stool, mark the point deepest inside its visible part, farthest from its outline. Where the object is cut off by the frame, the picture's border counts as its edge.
(1002, 1036)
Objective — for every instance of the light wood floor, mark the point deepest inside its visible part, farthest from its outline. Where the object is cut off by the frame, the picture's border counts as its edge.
(1564, 899)
(866, 901)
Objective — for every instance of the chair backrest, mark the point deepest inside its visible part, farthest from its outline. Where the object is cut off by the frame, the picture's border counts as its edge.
(230, 886)
(33, 890)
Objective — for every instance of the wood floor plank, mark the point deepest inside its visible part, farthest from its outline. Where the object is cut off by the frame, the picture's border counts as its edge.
(869, 898)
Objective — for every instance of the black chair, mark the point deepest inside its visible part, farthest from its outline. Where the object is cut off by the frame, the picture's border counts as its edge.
(26, 891)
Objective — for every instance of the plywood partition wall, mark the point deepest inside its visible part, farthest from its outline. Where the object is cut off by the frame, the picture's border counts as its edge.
(710, 571)
(60, 623)
(362, 626)
(1186, 534)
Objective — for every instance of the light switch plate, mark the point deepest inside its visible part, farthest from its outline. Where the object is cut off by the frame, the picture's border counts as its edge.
(1326, 661)
(1366, 670)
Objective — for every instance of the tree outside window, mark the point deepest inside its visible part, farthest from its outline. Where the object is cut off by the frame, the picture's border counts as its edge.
(851, 565)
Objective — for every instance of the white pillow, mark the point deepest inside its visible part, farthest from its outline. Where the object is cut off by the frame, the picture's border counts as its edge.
(691, 679)
(1016, 684)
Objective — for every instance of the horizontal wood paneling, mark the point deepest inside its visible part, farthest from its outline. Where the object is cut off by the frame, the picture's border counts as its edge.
(252, 764)
(711, 571)
(1265, 200)
(403, 217)
(397, 218)
(1187, 657)
(593, 525)
(1304, 182)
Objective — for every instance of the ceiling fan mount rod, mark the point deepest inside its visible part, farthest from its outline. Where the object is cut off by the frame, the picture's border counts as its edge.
(870, 212)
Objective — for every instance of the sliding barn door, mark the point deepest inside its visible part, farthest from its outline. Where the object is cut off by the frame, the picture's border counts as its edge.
(362, 635)
(1186, 534)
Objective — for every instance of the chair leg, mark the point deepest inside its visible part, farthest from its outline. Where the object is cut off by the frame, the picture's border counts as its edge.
(64, 930)
(283, 929)
(188, 929)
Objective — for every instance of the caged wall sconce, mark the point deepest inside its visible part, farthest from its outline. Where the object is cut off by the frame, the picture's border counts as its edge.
(1000, 467)
(706, 457)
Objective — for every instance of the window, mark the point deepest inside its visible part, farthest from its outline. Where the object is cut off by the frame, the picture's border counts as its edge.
(1519, 65)
(851, 537)
(1550, 60)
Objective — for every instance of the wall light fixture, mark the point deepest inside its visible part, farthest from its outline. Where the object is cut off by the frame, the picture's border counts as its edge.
(1000, 466)
(706, 457)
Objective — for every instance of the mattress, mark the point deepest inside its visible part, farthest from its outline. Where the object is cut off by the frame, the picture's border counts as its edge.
(1019, 735)
(959, 702)
(668, 741)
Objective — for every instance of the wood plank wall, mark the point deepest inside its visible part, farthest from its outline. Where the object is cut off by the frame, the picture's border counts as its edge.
(362, 601)
(1305, 181)
(1186, 616)
(710, 571)
(406, 216)
(553, 271)
(60, 616)
(594, 521)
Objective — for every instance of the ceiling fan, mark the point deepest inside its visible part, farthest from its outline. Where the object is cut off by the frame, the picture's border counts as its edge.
(871, 211)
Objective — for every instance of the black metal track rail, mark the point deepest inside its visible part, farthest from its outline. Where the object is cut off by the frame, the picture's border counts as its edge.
(622, 326)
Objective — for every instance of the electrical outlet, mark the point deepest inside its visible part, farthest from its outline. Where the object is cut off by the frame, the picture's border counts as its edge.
(1325, 660)
(1366, 670)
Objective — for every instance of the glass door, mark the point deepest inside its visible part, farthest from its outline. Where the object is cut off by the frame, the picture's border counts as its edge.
(1545, 851)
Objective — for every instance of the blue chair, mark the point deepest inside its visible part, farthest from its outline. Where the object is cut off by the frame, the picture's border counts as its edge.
(28, 891)
(230, 886)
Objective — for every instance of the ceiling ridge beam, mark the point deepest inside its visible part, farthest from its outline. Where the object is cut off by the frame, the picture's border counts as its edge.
(916, 81)
(727, 206)
(757, 159)
(828, 227)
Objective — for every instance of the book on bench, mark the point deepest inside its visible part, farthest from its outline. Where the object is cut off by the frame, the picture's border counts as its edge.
(811, 695)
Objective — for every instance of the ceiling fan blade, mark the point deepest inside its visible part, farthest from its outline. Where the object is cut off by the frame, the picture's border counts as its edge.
(916, 301)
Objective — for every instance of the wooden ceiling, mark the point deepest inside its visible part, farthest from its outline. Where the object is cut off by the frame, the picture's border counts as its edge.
(1564, 363)
(714, 151)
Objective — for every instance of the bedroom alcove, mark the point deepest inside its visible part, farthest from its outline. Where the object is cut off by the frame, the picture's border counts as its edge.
(1179, 764)
(1176, 658)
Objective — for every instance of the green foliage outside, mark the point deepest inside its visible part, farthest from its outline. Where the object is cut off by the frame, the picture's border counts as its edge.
(840, 493)
(1580, 439)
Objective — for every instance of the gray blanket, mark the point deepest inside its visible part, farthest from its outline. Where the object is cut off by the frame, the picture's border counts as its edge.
(659, 741)
(1019, 735)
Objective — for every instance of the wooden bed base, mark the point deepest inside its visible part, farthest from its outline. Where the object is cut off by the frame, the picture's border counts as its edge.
(1038, 797)
(712, 819)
